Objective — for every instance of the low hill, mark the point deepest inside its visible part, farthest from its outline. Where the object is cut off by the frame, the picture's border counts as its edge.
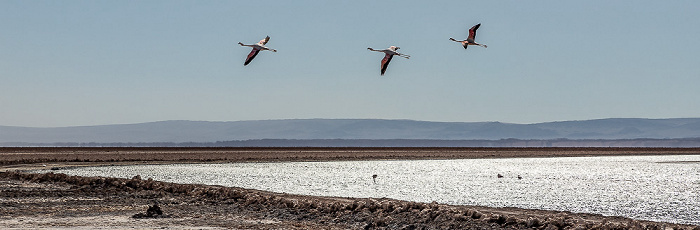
(356, 129)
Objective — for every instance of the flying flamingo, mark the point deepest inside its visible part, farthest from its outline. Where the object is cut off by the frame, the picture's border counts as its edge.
(470, 39)
(256, 49)
(389, 53)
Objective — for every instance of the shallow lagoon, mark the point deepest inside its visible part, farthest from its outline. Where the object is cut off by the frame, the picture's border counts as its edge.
(658, 188)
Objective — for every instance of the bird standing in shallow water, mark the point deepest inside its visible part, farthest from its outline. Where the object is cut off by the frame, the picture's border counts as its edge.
(470, 39)
(256, 49)
(388, 54)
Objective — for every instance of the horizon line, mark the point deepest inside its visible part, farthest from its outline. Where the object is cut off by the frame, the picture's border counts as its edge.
(383, 119)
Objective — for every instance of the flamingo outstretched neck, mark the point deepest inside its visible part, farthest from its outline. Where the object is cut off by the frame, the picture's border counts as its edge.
(391, 50)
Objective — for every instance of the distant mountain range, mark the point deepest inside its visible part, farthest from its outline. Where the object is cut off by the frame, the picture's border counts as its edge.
(354, 129)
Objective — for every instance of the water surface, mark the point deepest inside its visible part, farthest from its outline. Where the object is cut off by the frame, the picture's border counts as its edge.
(658, 188)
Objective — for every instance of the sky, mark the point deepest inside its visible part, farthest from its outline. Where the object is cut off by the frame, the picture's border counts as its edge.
(78, 63)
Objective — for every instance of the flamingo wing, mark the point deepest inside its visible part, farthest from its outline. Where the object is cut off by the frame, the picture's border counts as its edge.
(472, 32)
(264, 41)
(385, 62)
(251, 55)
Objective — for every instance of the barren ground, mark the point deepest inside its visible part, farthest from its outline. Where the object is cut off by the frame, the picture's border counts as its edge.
(61, 201)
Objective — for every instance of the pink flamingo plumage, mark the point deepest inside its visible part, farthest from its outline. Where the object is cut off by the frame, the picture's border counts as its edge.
(256, 49)
(388, 54)
(470, 39)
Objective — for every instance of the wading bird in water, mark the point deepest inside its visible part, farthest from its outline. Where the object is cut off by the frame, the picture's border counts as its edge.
(388, 54)
(470, 39)
(256, 49)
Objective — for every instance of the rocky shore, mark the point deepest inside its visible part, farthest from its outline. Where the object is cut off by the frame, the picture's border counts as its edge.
(52, 200)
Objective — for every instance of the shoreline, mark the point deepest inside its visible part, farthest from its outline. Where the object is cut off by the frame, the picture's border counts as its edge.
(29, 155)
(111, 202)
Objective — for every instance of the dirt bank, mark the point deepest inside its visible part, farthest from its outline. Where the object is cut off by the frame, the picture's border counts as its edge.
(32, 155)
(57, 200)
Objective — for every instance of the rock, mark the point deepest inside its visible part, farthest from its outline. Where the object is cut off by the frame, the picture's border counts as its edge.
(476, 215)
(497, 218)
(152, 212)
(532, 222)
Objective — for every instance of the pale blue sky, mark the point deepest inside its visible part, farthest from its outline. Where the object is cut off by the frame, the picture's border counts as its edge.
(69, 63)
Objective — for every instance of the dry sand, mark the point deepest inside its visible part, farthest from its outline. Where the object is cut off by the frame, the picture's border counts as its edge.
(61, 201)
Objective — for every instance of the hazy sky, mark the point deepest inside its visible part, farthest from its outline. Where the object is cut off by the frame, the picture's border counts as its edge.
(68, 63)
